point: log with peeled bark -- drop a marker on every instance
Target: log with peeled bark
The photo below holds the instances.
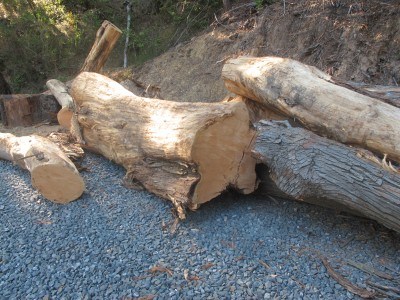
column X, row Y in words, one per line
column 106, row 37
column 317, row 170
column 308, row 95
column 52, row 172
column 67, row 114
column 185, row 152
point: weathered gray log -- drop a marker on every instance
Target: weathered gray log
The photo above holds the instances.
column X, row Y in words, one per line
column 314, row 169
column 308, row 95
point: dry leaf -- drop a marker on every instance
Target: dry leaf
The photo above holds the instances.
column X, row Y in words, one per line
column 186, row 274
column 161, row 269
column 207, row 266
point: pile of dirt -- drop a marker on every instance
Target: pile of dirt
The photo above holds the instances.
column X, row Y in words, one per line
column 352, row 40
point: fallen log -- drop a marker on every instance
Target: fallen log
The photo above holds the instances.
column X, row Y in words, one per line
column 52, row 173
column 106, row 37
column 185, row 152
column 314, row 169
column 306, row 94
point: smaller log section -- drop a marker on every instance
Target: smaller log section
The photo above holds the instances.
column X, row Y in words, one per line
column 188, row 153
column 67, row 115
column 52, row 172
column 310, row 168
column 308, row 95
column 106, row 37
column 27, row 109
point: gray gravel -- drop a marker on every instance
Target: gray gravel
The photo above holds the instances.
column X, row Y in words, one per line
column 105, row 245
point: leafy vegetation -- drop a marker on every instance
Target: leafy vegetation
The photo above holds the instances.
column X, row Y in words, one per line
column 44, row 39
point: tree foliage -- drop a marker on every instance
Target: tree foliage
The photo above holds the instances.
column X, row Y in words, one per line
column 44, row 39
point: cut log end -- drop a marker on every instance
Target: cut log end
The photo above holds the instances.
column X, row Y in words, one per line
column 221, row 152
column 58, row 183
column 64, row 117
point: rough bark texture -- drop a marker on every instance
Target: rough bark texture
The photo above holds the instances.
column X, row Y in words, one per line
column 27, row 110
column 106, row 37
column 313, row 169
column 52, row 173
column 307, row 95
column 185, row 152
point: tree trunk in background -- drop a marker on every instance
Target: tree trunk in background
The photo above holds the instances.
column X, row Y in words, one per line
column 52, row 172
column 128, row 27
column 188, row 153
column 307, row 94
column 106, row 37
column 227, row 4
column 313, row 169
column 4, row 86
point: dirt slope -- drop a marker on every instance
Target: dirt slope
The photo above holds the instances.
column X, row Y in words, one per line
column 353, row 40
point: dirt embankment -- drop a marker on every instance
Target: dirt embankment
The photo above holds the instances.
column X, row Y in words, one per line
column 353, row 40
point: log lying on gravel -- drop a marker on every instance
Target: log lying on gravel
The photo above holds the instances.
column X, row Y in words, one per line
column 52, row 173
column 185, row 152
column 307, row 95
column 313, row 169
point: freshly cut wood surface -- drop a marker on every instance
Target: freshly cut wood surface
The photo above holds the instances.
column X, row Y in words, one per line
column 106, row 37
column 188, row 153
column 306, row 94
column 52, row 172
column 66, row 116
column 313, row 169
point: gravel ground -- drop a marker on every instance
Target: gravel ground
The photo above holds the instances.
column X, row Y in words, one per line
column 116, row 243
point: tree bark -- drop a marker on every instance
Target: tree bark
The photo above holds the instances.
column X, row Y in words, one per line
column 106, row 37
column 306, row 94
column 52, row 172
column 313, row 169
column 185, row 152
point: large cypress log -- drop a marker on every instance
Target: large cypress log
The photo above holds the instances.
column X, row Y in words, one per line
column 185, row 152
column 309, row 96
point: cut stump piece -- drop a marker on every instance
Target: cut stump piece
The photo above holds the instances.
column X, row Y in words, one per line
column 307, row 94
column 188, row 153
column 52, row 172
column 27, row 109
column 313, row 169
column 106, row 37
